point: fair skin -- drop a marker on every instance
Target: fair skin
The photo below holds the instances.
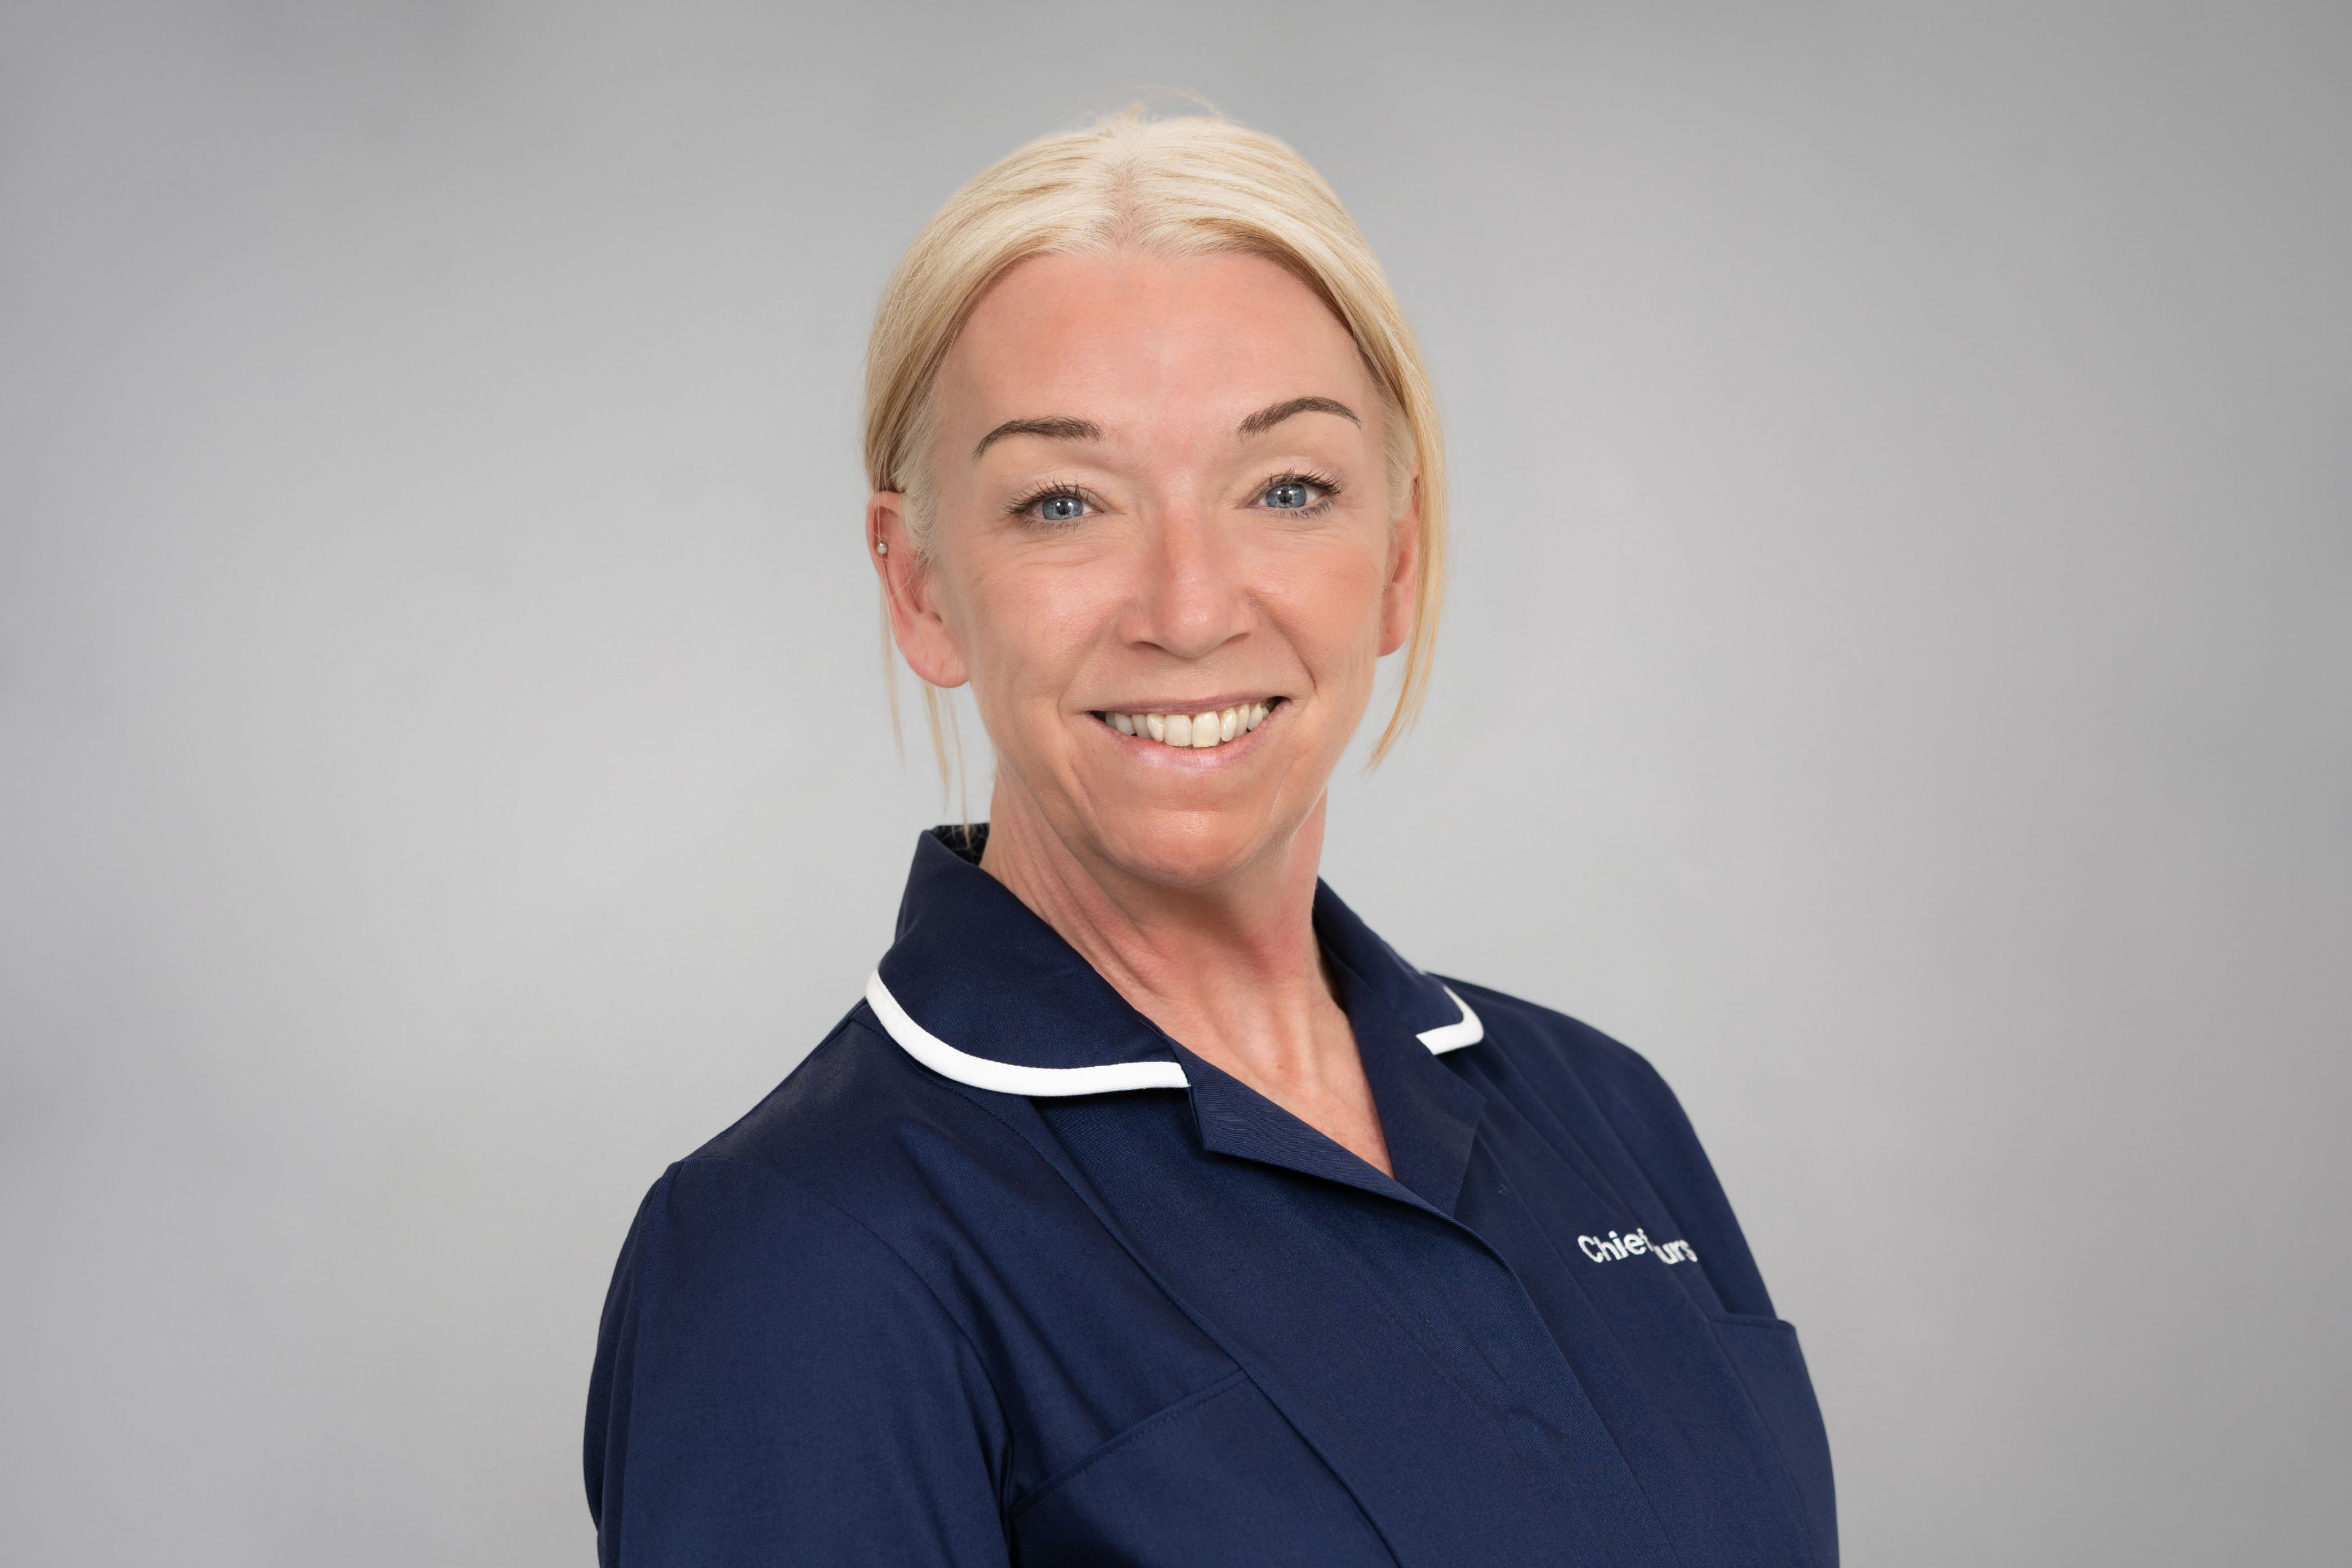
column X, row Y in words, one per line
column 1158, row 491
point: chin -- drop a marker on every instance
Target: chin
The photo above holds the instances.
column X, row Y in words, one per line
column 1183, row 848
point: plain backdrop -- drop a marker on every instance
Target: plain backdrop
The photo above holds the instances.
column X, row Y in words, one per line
column 1896, row 676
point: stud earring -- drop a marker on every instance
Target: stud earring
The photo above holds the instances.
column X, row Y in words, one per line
column 881, row 547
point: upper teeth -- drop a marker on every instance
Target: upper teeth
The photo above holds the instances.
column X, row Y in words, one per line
column 1199, row 731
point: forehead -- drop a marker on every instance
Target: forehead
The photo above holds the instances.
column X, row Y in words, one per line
column 1130, row 340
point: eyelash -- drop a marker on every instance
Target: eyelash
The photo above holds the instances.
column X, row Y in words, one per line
column 1313, row 482
column 1055, row 490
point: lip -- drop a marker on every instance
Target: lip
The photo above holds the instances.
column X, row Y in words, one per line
column 1211, row 703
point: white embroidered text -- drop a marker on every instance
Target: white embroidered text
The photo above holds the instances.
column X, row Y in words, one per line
column 1633, row 1243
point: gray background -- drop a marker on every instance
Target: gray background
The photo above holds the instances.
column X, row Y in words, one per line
column 1897, row 678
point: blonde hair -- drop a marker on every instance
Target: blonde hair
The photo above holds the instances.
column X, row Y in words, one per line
column 1186, row 186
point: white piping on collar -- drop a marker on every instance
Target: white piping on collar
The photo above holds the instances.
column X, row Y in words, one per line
column 1467, row 1031
column 1008, row 1078
column 1108, row 1077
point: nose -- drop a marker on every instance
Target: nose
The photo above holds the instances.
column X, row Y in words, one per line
column 1194, row 599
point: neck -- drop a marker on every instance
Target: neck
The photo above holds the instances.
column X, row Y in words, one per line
column 1177, row 949
column 1230, row 969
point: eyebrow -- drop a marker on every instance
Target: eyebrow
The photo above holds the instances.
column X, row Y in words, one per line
column 1265, row 419
column 1063, row 427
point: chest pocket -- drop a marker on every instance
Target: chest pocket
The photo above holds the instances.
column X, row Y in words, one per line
column 1764, row 1352
column 1218, row 1476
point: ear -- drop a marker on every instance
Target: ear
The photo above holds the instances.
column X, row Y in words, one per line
column 1400, row 595
column 910, row 593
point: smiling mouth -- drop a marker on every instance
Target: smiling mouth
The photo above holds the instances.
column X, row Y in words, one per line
column 1193, row 732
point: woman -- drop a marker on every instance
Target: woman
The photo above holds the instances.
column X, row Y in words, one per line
column 1150, row 1209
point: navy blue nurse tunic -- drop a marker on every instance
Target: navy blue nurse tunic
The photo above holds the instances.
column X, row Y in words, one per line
column 1002, row 1274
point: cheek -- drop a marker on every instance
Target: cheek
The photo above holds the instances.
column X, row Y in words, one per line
column 1330, row 598
column 1029, row 627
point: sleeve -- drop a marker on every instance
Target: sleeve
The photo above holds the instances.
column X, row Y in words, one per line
column 774, row 1384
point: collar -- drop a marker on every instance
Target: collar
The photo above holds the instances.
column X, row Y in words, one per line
column 978, row 989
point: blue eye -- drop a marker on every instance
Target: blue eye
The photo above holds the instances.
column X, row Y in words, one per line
column 1062, row 508
column 1289, row 495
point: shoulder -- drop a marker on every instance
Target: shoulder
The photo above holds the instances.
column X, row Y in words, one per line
column 1552, row 1048
column 744, row 1249
column 858, row 1121
column 777, row 1238
column 798, row 1189
column 772, row 1366
column 863, row 1152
